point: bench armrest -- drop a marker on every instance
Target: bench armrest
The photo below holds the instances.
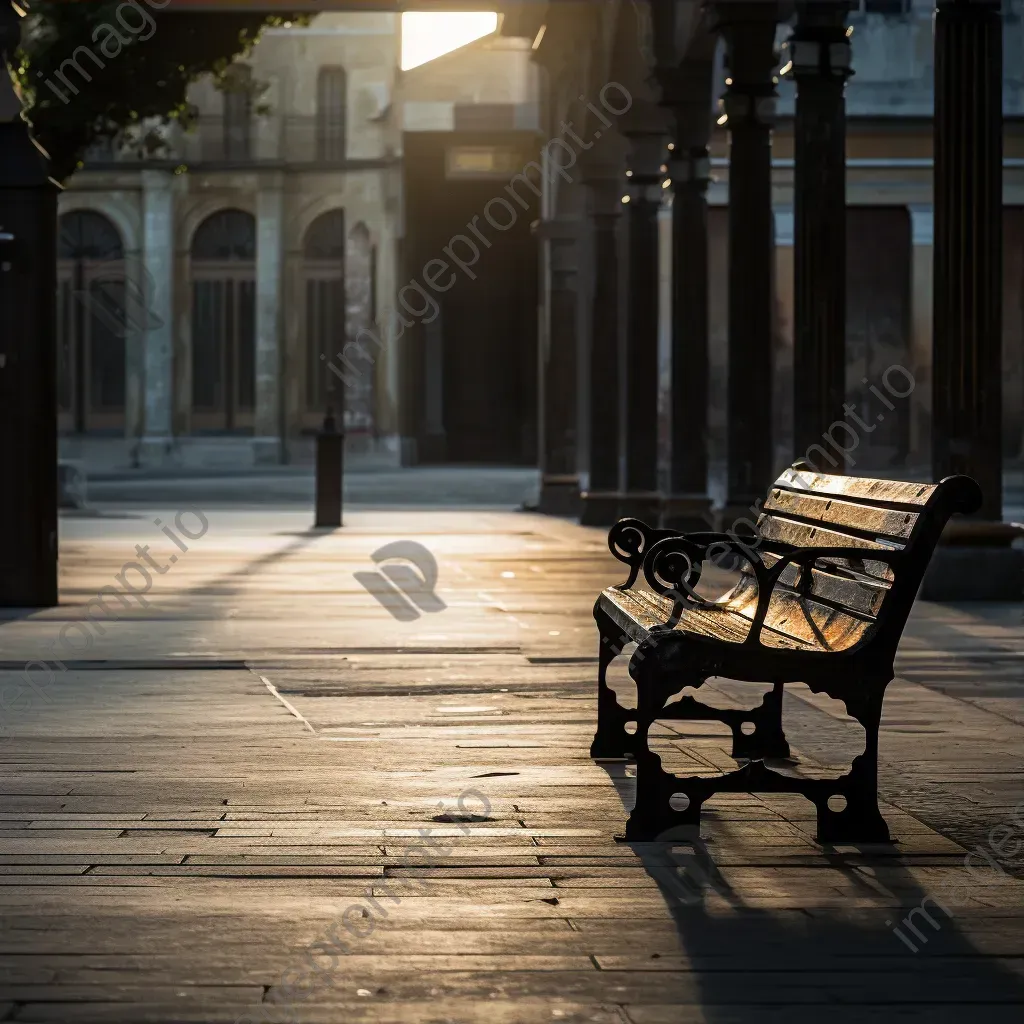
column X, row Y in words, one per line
column 629, row 540
column 673, row 566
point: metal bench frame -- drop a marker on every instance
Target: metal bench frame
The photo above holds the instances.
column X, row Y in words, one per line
column 669, row 656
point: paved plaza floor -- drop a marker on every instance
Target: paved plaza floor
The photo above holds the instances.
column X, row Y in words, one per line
column 259, row 796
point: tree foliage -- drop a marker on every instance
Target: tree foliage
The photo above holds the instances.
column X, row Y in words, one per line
column 91, row 70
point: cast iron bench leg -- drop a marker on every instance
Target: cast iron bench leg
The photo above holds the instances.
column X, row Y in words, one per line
column 653, row 812
column 860, row 821
column 767, row 739
column 611, row 741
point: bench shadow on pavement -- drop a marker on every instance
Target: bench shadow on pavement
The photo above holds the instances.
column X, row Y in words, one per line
column 832, row 963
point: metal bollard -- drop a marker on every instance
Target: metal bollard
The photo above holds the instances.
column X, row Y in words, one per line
column 330, row 455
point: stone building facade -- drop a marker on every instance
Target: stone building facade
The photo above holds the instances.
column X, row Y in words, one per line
column 206, row 290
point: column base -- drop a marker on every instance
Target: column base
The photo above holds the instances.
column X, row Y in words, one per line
column 72, row 486
column 559, row 495
column 156, row 452
column 689, row 513
column 432, row 448
column 642, row 505
column 267, row 451
column 975, row 562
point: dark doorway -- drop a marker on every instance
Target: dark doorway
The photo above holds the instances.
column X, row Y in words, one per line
column 470, row 391
column 878, row 313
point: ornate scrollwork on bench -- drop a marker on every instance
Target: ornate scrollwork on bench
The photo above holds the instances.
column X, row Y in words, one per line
column 629, row 540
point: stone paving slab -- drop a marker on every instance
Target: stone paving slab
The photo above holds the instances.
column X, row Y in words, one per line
column 189, row 811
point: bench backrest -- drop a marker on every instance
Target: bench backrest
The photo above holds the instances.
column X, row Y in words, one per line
column 844, row 601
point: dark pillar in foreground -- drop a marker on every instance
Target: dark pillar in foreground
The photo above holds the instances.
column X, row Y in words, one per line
column 330, row 455
column 819, row 50
column 749, row 31
column 686, row 91
column 560, row 485
column 967, row 380
column 640, row 495
column 28, row 388
column 601, row 497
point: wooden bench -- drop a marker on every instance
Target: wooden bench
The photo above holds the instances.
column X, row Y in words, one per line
column 825, row 587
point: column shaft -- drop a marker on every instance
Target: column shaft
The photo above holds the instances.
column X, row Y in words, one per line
column 749, row 30
column 686, row 91
column 819, row 50
column 269, row 264
column 158, row 335
column 560, row 489
column 600, row 500
column 922, row 299
column 639, row 346
column 966, row 368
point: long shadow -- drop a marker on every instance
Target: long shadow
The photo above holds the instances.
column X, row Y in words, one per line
column 806, row 963
column 164, row 605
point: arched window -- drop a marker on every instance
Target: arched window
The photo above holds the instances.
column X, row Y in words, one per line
column 91, row 323
column 324, row 276
column 331, row 113
column 237, row 89
column 227, row 235
column 224, row 322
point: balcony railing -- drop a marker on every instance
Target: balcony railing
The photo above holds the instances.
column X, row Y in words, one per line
column 217, row 140
column 291, row 139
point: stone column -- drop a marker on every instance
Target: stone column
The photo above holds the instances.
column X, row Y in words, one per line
column 560, row 485
column 157, row 443
column 601, row 498
column 782, row 390
column 819, row 54
column 639, row 345
column 968, row 124
column 976, row 560
column 921, row 220
column 687, row 93
column 749, row 30
column 267, row 442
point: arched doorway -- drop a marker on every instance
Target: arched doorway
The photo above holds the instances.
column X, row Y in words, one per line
column 224, row 322
column 90, row 324
column 323, row 273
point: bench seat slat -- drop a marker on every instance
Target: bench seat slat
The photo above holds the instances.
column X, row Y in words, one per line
column 864, row 519
column 792, row 623
column 802, row 619
column 802, row 535
column 861, row 594
column 893, row 493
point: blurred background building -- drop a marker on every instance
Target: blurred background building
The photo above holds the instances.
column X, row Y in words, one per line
column 325, row 178
column 205, row 289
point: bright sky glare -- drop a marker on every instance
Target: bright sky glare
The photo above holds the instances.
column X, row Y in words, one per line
column 429, row 35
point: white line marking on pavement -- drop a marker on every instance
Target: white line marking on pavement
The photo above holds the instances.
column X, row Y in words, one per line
column 291, row 707
column 492, row 600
